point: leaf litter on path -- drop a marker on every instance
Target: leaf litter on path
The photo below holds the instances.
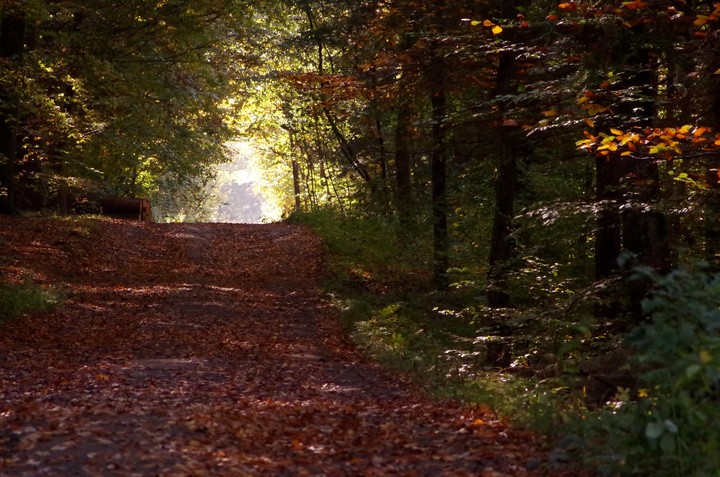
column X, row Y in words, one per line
column 208, row 350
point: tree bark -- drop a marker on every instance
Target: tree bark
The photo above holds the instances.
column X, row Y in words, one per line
column 12, row 37
column 403, row 162
column 438, row 102
column 501, row 250
column 628, row 187
column 608, row 234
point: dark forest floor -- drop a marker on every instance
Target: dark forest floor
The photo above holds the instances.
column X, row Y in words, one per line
column 208, row 350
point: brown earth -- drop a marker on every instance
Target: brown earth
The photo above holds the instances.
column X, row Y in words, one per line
column 208, row 350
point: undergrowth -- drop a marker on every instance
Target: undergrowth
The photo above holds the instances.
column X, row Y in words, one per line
column 391, row 311
column 26, row 297
column 526, row 363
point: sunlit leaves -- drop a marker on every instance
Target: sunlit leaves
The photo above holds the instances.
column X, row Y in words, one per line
column 665, row 143
column 590, row 104
column 568, row 6
column 494, row 28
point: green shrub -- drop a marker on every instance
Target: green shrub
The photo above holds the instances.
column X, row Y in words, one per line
column 673, row 427
column 367, row 250
column 439, row 339
column 16, row 299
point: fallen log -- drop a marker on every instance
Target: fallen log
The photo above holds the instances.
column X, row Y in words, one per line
column 127, row 208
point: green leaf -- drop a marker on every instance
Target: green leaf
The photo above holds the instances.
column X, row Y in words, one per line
column 671, row 426
column 654, row 430
column 667, row 443
column 692, row 370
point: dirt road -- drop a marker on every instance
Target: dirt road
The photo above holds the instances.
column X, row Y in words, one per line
column 207, row 350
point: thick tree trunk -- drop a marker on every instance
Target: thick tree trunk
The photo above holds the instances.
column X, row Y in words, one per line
column 712, row 118
column 608, row 235
column 501, row 250
column 627, row 189
column 12, row 37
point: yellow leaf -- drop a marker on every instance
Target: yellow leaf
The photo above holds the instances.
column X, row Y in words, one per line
column 629, row 139
column 700, row 20
column 475, row 22
column 596, row 109
column 497, row 29
column 705, row 356
column 616, row 132
column 550, row 113
column 610, row 146
column 590, row 122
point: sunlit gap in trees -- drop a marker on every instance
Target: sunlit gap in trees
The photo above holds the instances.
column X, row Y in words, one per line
column 241, row 195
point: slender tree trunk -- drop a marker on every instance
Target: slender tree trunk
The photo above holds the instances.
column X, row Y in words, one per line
column 347, row 150
column 403, row 168
column 438, row 101
column 295, row 174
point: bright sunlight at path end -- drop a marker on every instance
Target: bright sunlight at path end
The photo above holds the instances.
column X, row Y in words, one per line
column 240, row 190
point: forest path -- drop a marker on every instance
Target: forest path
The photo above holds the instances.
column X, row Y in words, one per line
column 207, row 350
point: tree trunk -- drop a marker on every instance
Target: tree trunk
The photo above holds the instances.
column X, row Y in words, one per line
column 608, row 234
column 632, row 186
column 403, row 164
column 12, row 37
column 296, row 174
column 439, row 177
column 501, row 250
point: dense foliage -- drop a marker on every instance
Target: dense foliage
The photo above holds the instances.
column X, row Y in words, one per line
column 115, row 99
column 488, row 175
